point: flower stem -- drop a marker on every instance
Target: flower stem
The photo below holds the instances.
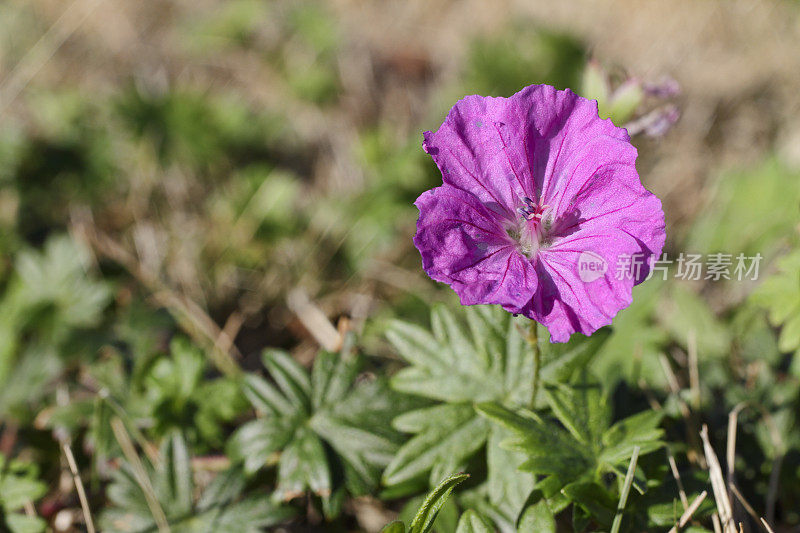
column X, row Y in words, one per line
column 533, row 340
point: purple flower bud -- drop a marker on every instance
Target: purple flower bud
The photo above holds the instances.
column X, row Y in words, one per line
column 665, row 88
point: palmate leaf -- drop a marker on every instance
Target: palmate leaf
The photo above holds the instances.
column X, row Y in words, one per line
column 481, row 357
column 768, row 192
column 572, row 454
column 170, row 391
column 221, row 506
column 304, row 416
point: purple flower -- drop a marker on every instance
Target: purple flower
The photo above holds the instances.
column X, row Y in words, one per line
column 541, row 210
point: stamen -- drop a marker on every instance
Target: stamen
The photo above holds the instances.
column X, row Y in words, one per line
column 533, row 228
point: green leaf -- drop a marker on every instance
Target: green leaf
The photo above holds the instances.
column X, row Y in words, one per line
column 572, row 464
column 472, row 522
column 290, row 376
column 549, row 450
column 582, row 408
column 221, row 506
column 332, row 377
column 19, row 523
column 446, row 433
column 57, row 276
column 481, row 357
column 789, row 339
column 224, row 488
column 624, row 101
column 640, row 430
column 265, row 398
column 560, row 362
column 185, row 369
column 423, row 521
column 768, row 192
column 176, row 475
column 454, row 367
column 521, row 421
column 684, row 311
column 507, row 487
column 595, row 86
column 537, row 517
column 632, row 350
column 48, row 307
column 257, row 442
column 18, row 486
column 780, row 296
column 303, row 464
column 594, row 498
column 415, row 344
column 319, row 426
column 394, row 527
column 250, row 515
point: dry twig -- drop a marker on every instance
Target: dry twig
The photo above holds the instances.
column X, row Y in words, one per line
column 718, row 484
column 76, row 478
column 687, row 514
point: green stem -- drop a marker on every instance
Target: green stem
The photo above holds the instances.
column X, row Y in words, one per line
column 533, row 340
column 626, row 489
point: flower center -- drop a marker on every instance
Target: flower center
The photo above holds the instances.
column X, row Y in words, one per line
column 532, row 227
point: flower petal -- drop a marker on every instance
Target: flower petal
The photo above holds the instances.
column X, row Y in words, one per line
column 602, row 156
column 463, row 244
column 574, row 301
column 613, row 202
column 558, row 126
column 476, row 150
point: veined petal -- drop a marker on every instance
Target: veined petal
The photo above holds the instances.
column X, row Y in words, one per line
column 600, row 158
column 463, row 243
column 558, row 125
column 614, row 203
column 585, row 298
column 478, row 149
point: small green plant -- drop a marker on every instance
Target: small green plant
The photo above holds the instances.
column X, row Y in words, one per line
column 163, row 496
column 46, row 310
column 489, row 361
column 584, row 448
column 325, row 430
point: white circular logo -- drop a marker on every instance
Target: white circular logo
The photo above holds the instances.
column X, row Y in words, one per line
column 591, row 266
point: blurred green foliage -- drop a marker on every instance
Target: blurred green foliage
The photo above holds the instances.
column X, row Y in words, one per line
column 502, row 65
column 138, row 493
column 48, row 311
column 19, row 486
column 219, row 202
column 750, row 212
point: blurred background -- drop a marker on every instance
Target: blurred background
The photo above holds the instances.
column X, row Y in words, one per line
column 183, row 184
